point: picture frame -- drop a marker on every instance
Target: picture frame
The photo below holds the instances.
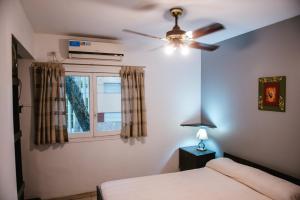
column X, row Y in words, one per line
column 272, row 93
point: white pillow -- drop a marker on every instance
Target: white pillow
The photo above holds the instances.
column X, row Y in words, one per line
column 267, row 184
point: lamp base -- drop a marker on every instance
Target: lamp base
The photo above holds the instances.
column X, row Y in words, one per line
column 201, row 149
column 201, row 146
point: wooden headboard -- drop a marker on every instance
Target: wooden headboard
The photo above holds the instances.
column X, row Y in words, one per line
column 263, row 168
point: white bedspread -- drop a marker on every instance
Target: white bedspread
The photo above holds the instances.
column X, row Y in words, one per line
column 197, row 184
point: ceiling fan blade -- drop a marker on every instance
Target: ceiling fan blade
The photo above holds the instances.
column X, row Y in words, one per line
column 142, row 34
column 207, row 30
column 207, row 47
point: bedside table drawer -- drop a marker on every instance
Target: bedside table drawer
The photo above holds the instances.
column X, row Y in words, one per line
column 188, row 160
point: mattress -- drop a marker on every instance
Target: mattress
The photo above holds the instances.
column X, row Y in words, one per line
column 203, row 183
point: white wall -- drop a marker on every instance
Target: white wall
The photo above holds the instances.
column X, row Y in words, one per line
column 12, row 21
column 172, row 97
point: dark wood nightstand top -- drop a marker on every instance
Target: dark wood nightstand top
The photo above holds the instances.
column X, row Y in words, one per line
column 193, row 150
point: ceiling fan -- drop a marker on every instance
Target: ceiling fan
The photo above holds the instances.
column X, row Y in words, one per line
column 178, row 38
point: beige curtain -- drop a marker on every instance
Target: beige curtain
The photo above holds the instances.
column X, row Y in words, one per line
column 50, row 107
column 133, row 102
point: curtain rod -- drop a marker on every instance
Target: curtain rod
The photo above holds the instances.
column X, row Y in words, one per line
column 65, row 63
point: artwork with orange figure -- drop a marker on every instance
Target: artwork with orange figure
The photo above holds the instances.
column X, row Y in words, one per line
column 270, row 95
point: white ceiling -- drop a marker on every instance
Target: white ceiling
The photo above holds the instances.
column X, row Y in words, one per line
column 107, row 18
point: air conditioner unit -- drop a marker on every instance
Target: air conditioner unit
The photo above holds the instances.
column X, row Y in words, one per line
column 95, row 50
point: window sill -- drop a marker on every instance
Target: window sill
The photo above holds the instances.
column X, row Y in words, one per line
column 94, row 138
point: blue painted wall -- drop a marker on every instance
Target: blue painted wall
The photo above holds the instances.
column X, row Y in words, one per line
column 230, row 90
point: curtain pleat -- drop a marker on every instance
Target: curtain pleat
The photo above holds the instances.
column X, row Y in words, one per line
column 50, row 106
column 133, row 102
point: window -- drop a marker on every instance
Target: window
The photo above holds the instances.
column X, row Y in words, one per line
column 93, row 102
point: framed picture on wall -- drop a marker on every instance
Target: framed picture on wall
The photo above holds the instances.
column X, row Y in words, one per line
column 271, row 93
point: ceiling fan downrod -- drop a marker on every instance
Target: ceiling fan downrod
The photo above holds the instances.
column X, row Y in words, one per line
column 176, row 12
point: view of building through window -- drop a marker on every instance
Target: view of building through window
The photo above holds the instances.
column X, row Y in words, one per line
column 108, row 104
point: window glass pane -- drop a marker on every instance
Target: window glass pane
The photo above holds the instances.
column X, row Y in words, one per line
column 112, row 87
column 78, row 103
column 108, row 104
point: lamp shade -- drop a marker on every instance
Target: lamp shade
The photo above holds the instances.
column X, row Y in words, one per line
column 202, row 134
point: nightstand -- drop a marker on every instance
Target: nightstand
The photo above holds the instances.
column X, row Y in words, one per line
column 190, row 158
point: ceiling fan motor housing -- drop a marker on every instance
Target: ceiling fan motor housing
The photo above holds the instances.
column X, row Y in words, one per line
column 176, row 35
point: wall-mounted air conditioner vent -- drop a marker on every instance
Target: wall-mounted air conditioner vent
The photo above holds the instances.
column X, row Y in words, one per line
column 95, row 50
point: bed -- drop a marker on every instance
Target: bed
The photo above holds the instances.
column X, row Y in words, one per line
column 230, row 177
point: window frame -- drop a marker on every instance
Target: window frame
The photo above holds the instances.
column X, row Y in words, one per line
column 93, row 133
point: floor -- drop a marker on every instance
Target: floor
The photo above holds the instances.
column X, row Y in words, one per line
column 83, row 196
column 87, row 198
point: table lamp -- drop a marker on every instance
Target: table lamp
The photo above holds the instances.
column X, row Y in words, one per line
column 201, row 135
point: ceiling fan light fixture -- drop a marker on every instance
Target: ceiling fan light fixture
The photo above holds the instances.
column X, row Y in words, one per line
column 169, row 49
column 189, row 34
column 185, row 50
